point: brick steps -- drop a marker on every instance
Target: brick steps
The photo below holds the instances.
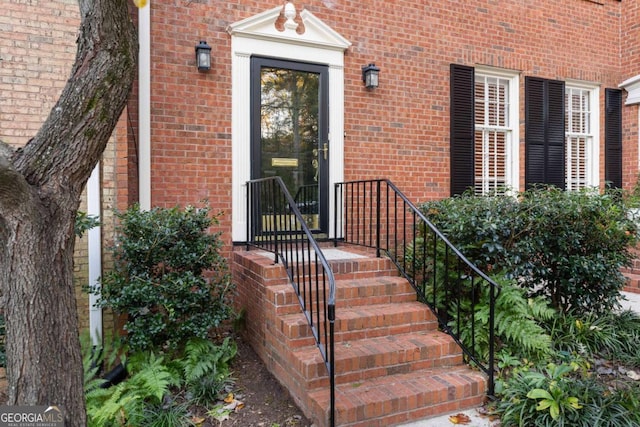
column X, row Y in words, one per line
column 402, row 398
column 633, row 280
column 362, row 322
column 392, row 364
column 361, row 360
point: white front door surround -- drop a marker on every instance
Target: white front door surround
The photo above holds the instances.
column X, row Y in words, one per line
column 259, row 36
column 632, row 86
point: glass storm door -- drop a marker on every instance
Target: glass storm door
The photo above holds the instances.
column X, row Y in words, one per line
column 289, row 132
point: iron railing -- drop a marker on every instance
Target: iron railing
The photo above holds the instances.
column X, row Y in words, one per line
column 375, row 214
column 275, row 224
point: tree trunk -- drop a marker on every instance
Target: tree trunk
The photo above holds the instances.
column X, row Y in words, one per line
column 40, row 189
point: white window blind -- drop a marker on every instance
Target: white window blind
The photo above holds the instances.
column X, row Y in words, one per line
column 492, row 135
column 579, row 138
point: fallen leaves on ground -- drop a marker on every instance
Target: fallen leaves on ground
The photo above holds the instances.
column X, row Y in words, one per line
column 459, row 419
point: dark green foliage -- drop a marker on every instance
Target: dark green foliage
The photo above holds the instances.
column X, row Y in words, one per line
column 205, row 368
column 158, row 390
column 85, row 222
column 565, row 246
column 613, row 336
column 169, row 277
column 563, row 395
column 517, row 323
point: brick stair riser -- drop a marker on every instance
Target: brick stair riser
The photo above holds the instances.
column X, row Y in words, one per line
column 348, row 294
column 416, row 318
column 632, row 283
column 402, row 401
column 342, row 269
column 357, row 368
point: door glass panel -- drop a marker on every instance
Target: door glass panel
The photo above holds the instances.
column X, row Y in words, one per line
column 289, row 135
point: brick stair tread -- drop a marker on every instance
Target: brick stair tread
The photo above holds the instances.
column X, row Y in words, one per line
column 634, row 274
column 632, row 282
column 374, row 290
column 381, row 356
column 396, row 398
column 353, row 292
column 360, row 322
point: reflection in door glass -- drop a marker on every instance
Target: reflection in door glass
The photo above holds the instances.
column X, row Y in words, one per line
column 289, row 135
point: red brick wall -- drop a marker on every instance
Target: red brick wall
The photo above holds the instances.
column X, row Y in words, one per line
column 403, row 126
column 630, row 54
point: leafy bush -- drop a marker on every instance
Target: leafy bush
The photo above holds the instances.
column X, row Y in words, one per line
column 158, row 389
column 169, row 277
column 567, row 246
column 205, row 368
column 517, row 323
column 84, row 222
column 560, row 395
column 612, row 335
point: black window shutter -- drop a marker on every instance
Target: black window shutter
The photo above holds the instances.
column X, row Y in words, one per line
column 613, row 138
column 545, row 133
column 462, row 128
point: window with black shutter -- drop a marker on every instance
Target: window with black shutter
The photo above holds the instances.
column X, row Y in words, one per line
column 462, row 128
column 545, row 132
column 613, row 138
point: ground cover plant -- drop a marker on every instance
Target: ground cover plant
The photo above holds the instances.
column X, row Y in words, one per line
column 173, row 287
column 566, row 354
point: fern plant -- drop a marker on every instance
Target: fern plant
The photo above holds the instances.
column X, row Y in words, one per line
column 517, row 322
column 126, row 403
column 205, row 368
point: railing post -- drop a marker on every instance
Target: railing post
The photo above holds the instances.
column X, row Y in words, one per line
column 331, row 313
column 335, row 215
column 249, row 215
column 378, row 219
column 275, row 223
column 492, row 313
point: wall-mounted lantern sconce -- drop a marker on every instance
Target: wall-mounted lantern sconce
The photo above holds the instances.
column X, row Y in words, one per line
column 370, row 76
column 203, row 56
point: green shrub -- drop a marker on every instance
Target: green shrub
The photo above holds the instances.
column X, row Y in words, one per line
column 205, row 368
column 517, row 323
column 612, row 335
column 561, row 395
column 567, row 246
column 126, row 403
column 169, row 277
column 158, row 390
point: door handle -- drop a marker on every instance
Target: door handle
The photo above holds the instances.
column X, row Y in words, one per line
column 324, row 149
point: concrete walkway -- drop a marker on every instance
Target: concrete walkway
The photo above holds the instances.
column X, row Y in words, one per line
column 477, row 419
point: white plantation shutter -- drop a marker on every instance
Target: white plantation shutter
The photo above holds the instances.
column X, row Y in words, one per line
column 492, row 134
column 579, row 137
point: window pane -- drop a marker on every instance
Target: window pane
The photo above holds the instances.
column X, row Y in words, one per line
column 492, row 134
column 578, row 137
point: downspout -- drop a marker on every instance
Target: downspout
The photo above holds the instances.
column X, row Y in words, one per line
column 144, row 107
column 94, row 237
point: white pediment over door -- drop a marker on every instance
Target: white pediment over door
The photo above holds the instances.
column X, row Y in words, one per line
column 260, row 36
column 316, row 32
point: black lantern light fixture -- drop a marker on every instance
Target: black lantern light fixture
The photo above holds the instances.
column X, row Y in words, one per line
column 203, row 56
column 370, row 76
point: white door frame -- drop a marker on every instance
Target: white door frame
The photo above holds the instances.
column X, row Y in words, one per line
column 318, row 44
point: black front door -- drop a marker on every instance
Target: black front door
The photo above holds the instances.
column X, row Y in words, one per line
column 289, row 132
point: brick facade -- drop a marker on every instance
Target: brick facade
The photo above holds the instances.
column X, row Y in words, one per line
column 403, row 126
column 399, row 131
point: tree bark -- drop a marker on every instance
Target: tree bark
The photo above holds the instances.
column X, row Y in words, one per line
column 40, row 189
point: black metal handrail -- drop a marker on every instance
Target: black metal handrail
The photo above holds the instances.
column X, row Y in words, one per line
column 375, row 214
column 275, row 224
